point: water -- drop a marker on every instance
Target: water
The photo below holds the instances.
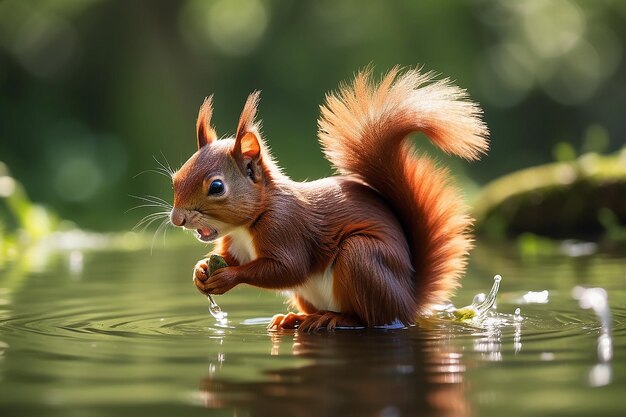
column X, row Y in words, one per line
column 216, row 262
column 216, row 310
column 115, row 332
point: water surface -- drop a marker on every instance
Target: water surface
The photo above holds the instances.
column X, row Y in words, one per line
column 103, row 332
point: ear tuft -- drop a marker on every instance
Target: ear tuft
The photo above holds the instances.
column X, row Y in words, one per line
column 247, row 141
column 246, row 120
column 204, row 132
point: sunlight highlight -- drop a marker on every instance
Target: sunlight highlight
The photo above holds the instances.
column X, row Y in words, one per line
column 596, row 299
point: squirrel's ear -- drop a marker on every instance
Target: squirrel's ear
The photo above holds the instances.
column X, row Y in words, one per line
column 247, row 143
column 250, row 146
column 205, row 133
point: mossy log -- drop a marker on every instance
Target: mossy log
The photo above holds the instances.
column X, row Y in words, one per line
column 581, row 199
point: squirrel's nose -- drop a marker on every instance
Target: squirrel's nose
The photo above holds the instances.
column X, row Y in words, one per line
column 177, row 217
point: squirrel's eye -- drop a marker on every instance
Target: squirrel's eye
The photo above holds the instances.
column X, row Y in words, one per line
column 216, row 187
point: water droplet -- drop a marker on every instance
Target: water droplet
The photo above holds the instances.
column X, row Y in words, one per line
column 216, row 311
column 600, row 375
column 605, row 348
column 490, row 299
column 479, row 298
column 534, row 297
column 517, row 336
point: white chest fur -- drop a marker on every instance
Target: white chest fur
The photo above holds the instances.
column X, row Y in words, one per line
column 318, row 290
column 242, row 245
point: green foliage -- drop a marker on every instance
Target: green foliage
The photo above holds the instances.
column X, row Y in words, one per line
column 614, row 229
column 19, row 217
column 92, row 90
column 530, row 245
column 563, row 152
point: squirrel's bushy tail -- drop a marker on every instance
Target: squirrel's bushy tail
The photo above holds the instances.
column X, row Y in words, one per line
column 363, row 130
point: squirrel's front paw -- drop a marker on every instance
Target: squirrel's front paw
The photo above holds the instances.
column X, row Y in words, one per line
column 201, row 274
column 221, row 281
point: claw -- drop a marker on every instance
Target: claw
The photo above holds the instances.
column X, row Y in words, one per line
column 308, row 323
column 200, row 270
column 287, row 321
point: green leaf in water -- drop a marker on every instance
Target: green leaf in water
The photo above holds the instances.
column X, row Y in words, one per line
column 479, row 308
column 464, row 313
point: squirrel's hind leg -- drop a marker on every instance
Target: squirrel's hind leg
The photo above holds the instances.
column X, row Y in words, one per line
column 373, row 281
column 291, row 321
column 328, row 320
column 287, row 321
column 310, row 319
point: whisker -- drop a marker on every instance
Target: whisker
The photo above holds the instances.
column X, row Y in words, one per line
column 166, row 167
column 163, row 225
column 168, row 164
column 150, row 218
column 149, row 201
column 147, row 205
column 165, row 172
column 160, row 171
column 148, row 223
column 156, row 214
column 149, row 197
column 153, row 200
column 165, row 229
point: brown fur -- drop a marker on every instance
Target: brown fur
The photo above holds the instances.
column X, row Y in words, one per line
column 204, row 132
column 391, row 232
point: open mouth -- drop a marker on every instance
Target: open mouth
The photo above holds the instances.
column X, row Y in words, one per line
column 206, row 234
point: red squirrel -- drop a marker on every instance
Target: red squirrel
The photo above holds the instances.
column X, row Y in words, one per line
column 378, row 244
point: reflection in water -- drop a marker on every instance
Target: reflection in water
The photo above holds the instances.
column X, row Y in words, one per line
column 100, row 331
column 380, row 373
column 517, row 337
column 377, row 373
column 597, row 300
column 488, row 341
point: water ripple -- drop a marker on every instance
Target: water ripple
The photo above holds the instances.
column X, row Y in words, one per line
column 87, row 323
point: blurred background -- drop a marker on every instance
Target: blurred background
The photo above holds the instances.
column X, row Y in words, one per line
column 95, row 93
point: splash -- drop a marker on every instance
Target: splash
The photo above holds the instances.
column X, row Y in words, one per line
column 481, row 305
column 216, row 310
column 216, row 262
